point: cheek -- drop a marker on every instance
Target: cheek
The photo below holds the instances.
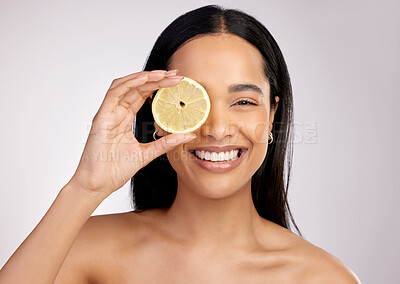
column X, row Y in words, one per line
column 256, row 127
column 174, row 157
column 260, row 131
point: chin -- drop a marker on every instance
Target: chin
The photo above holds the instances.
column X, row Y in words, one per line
column 215, row 187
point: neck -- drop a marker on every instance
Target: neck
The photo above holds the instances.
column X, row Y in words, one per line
column 214, row 222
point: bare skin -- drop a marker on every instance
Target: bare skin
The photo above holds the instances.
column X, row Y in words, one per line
column 212, row 233
column 141, row 248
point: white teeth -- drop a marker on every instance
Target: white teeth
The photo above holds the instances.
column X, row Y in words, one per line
column 202, row 154
column 235, row 154
column 217, row 156
column 226, row 156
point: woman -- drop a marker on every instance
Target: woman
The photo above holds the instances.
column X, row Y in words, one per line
column 196, row 221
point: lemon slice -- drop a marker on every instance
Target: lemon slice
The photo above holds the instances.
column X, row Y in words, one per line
column 182, row 108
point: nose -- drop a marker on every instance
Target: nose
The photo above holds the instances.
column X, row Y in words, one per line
column 218, row 126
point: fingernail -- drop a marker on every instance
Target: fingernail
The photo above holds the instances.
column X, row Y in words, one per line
column 158, row 71
column 175, row 77
column 170, row 72
column 141, row 76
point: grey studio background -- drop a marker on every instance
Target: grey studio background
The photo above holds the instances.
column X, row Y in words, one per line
column 58, row 60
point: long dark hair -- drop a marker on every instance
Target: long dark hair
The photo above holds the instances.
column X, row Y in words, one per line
column 155, row 185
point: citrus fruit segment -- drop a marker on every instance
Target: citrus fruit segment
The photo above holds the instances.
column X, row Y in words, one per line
column 182, row 108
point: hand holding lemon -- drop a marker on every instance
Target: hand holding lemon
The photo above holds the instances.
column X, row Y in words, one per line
column 112, row 155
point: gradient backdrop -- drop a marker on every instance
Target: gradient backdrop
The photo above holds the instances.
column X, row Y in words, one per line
column 57, row 61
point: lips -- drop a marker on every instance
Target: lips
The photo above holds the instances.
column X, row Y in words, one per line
column 218, row 164
column 218, row 156
column 218, row 148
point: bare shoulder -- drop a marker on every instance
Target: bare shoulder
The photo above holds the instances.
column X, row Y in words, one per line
column 97, row 247
column 324, row 267
column 315, row 265
column 106, row 231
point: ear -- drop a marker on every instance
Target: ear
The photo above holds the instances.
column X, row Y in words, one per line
column 160, row 132
column 157, row 128
column 150, row 98
column 272, row 114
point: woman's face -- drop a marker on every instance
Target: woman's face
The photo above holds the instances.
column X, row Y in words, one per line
column 240, row 117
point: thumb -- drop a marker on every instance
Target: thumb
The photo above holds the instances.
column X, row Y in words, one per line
column 167, row 143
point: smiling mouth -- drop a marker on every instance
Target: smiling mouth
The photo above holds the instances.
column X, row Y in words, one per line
column 218, row 157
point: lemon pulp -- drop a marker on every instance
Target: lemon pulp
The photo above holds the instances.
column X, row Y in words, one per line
column 182, row 108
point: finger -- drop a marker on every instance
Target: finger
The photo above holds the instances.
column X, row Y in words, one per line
column 118, row 81
column 151, row 86
column 165, row 144
column 130, row 96
column 121, row 80
column 135, row 99
column 112, row 97
column 129, row 85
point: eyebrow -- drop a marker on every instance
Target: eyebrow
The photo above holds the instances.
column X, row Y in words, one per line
column 245, row 87
column 240, row 88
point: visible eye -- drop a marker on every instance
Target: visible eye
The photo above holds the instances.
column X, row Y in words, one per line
column 244, row 102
